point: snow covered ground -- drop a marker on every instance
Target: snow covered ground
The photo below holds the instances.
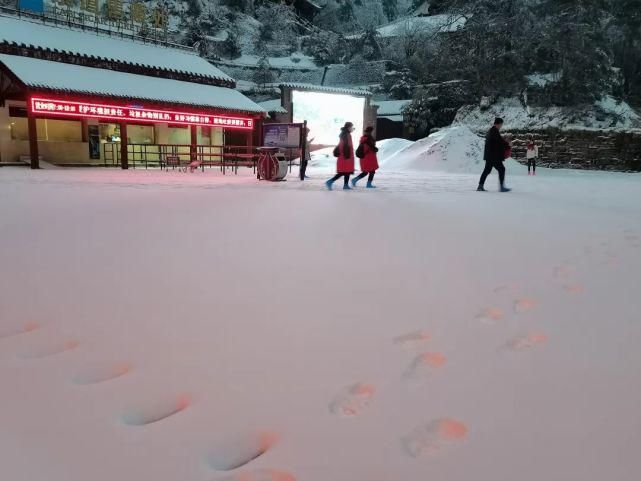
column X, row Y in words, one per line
column 196, row 327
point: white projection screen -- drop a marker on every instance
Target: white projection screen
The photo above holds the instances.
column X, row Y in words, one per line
column 327, row 113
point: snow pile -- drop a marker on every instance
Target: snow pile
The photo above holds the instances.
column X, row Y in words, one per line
column 607, row 113
column 389, row 147
column 454, row 149
column 324, row 158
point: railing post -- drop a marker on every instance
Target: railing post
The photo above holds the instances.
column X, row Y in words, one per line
column 33, row 142
column 124, row 159
column 194, row 143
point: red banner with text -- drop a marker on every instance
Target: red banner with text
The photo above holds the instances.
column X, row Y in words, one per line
column 74, row 109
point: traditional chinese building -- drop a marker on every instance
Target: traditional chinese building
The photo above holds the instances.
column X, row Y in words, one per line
column 74, row 97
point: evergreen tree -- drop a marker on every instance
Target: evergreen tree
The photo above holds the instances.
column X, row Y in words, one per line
column 390, row 8
column 231, row 45
column 346, row 12
column 263, row 74
column 369, row 46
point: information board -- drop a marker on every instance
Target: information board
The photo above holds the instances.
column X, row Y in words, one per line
column 287, row 136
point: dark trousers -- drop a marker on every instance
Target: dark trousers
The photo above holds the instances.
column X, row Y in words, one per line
column 338, row 176
column 531, row 163
column 303, row 168
column 489, row 165
column 363, row 174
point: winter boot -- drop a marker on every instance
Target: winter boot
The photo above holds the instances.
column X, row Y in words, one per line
column 353, row 181
column 329, row 184
column 347, row 187
column 370, row 186
column 505, row 189
column 480, row 189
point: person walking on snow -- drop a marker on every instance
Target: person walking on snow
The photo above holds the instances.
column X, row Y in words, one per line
column 307, row 157
column 495, row 152
column 531, row 154
column 345, row 157
column 366, row 153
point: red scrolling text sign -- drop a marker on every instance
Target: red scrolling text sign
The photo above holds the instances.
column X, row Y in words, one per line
column 67, row 108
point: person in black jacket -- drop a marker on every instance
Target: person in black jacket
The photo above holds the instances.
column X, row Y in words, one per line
column 494, row 155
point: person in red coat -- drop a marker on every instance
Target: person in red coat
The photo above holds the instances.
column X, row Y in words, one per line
column 345, row 160
column 369, row 161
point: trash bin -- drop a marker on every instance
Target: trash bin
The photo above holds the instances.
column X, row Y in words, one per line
column 272, row 164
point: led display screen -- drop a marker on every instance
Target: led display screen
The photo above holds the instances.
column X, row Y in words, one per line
column 326, row 113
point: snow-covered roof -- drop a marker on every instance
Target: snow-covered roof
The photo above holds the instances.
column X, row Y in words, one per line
column 542, row 79
column 47, row 75
column 293, row 62
column 412, row 25
column 323, row 88
column 273, row 106
column 394, row 118
column 390, row 107
column 92, row 44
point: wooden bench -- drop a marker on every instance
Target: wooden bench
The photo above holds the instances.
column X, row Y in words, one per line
column 172, row 161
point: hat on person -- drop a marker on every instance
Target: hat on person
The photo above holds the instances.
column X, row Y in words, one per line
column 498, row 120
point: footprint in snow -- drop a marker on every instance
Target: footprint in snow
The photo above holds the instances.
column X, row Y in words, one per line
column 14, row 331
column 490, row 315
column 413, row 339
column 506, row 290
column 423, row 365
column 563, row 272
column 49, row 349
column 234, row 452
column 574, row 288
column 261, row 475
column 612, row 260
column 431, row 438
column 155, row 411
column 526, row 342
column 524, row 305
column 352, row 400
column 101, row 372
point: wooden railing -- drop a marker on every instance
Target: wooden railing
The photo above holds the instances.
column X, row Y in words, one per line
column 166, row 156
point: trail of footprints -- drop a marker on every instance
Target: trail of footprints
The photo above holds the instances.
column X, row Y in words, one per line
column 230, row 454
column 434, row 436
column 428, row 438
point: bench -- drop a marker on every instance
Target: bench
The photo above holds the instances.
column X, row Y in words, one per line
column 172, row 161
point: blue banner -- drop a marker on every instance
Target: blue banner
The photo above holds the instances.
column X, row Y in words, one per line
column 37, row 6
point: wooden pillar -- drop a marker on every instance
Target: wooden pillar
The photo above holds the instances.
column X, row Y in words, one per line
column 33, row 142
column 193, row 149
column 249, row 137
column 258, row 131
column 124, row 159
column 85, row 130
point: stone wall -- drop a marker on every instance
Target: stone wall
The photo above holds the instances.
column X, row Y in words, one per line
column 582, row 149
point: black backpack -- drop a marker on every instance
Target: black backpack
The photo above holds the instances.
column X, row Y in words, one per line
column 337, row 151
column 360, row 151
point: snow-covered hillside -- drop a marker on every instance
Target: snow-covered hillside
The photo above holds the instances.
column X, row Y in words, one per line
column 607, row 113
